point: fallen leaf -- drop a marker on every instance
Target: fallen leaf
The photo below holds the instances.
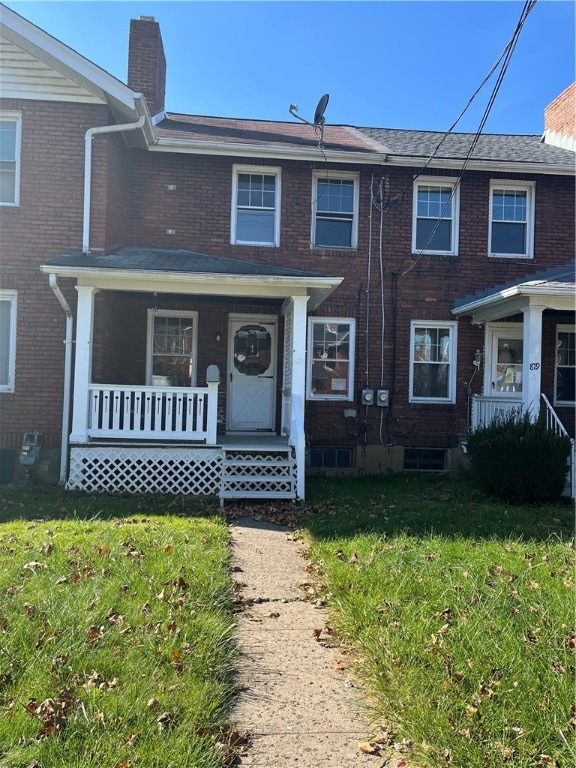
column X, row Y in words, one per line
column 368, row 747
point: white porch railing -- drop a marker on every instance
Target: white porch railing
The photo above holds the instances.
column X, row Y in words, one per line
column 153, row 413
column 486, row 409
column 553, row 423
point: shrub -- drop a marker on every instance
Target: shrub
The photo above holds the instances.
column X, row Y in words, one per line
column 518, row 460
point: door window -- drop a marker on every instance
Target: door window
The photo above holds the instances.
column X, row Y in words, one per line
column 509, row 360
column 252, row 350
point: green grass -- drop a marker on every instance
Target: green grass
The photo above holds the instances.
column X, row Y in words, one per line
column 115, row 632
column 461, row 611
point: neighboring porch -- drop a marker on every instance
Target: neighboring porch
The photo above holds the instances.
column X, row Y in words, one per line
column 186, row 381
column 529, row 357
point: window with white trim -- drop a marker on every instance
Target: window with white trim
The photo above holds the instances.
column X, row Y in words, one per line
column 255, row 206
column 330, row 358
column 172, row 341
column 565, row 365
column 335, row 210
column 10, row 133
column 435, row 216
column 511, row 220
column 7, row 340
column 432, row 362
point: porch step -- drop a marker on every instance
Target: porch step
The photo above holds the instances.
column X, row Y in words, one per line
column 258, row 473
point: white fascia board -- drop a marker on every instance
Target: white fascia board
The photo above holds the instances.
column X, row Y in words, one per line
column 212, row 283
column 493, row 166
column 63, row 59
column 512, row 300
column 256, row 150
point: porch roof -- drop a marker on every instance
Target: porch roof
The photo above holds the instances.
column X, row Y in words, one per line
column 177, row 270
column 554, row 288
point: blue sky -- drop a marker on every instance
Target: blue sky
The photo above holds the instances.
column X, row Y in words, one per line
column 387, row 63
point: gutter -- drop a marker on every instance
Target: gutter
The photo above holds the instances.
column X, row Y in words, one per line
column 230, row 149
column 90, row 133
column 67, row 377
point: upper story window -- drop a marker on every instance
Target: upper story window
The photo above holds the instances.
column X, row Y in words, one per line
column 7, row 340
column 172, row 339
column 331, row 358
column 10, row 124
column 511, row 220
column 335, row 210
column 256, row 206
column 433, row 362
column 565, row 368
column 435, row 216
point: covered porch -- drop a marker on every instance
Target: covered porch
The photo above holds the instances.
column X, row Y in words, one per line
column 188, row 373
column 528, row 360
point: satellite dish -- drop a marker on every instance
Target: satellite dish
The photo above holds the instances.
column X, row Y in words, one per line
column 319, row 120
column 320, row 109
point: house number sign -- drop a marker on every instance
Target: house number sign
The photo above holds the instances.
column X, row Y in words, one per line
column 534, row 366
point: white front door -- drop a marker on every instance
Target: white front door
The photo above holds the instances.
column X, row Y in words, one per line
column 252, row 375
column 505, row 361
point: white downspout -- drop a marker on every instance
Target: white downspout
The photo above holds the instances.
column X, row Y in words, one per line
column 90, row 133
column 68, row 341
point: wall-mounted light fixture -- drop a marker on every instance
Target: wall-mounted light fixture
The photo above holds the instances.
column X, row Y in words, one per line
column 218, row 336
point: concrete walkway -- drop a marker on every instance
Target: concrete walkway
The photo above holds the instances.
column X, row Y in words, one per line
column 297, row 701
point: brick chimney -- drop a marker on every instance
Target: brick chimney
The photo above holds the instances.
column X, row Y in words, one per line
column 560, row 120
column 147, row 63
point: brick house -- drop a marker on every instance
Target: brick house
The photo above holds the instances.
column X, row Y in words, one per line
column 242, row 302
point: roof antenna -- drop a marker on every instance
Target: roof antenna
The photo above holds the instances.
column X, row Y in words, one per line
column 319, row 119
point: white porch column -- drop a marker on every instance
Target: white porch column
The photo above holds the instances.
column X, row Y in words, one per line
column 83, row 362
column 297, row 434
column 532, row 366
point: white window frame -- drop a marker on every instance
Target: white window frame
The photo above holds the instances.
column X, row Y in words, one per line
column 15, row 117
column 514, row 186
column 256, row 170
column 561, row 329
column 347, row 395
column 453, row 346
column 345, row 176
column 152, row 313
column 437, row 181
column 12, row 298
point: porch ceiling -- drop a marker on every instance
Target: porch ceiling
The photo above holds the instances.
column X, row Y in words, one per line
column 553, row 289
column 171, row 270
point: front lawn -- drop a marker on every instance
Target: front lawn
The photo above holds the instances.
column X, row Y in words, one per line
column 115, row 633
column 461, row 612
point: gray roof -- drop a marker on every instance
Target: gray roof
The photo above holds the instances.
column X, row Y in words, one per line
column 490, row 147
column 147, row 258
column 554, row 277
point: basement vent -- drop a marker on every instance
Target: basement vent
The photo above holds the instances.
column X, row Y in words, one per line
column 331, row 458
column 425, row 459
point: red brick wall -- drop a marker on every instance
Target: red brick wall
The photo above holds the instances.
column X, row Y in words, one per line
column 199, row 212
column 47, row 221
column 560, row 115
column 132, row 205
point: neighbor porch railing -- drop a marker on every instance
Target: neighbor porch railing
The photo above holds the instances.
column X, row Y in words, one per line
column 553, row 423
column 486, row 409
column 153, row 413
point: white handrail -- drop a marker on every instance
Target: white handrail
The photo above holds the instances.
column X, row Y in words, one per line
column 552, row 420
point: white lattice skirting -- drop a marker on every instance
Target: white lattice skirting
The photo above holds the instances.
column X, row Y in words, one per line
column 106, row 469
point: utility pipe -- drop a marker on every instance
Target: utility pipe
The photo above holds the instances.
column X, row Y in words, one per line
column 68, row 341
column 89, row 135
